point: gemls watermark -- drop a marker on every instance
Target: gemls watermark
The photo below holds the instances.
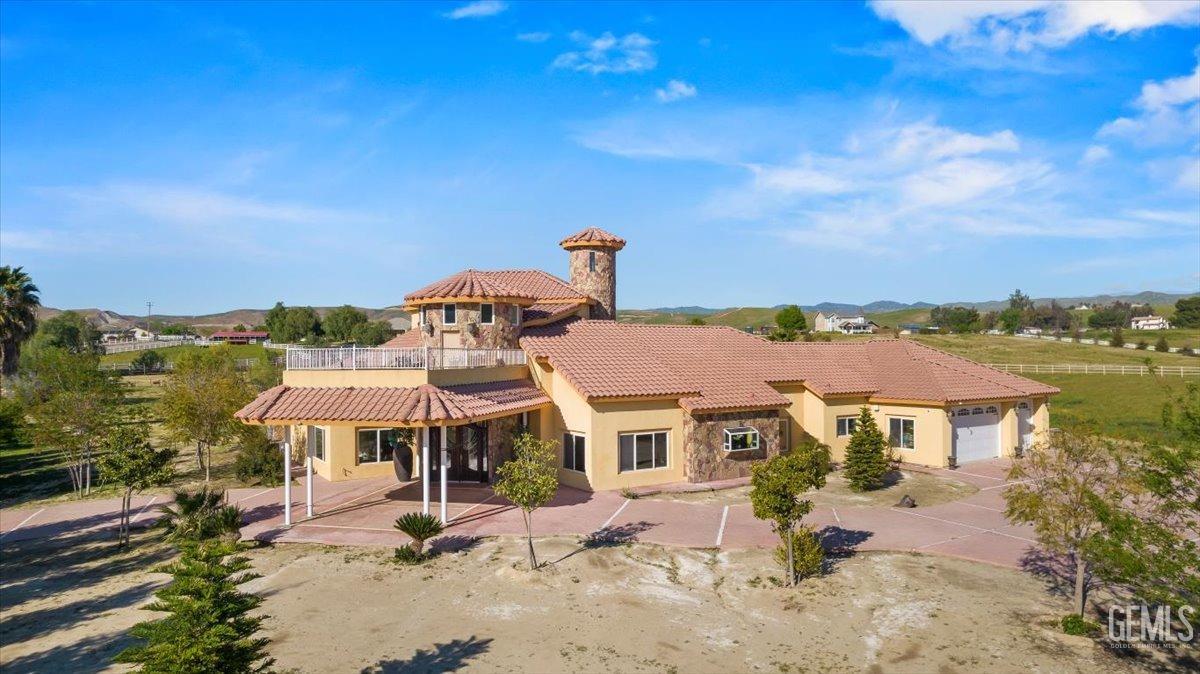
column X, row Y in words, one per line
column 1159, row 626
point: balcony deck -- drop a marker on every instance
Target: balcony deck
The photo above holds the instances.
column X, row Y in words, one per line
column 409, row 358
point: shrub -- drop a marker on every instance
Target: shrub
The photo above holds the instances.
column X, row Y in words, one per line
column 628, row 493
column 199, row 516
column 1162, row 346
column 807, row 554
column 148, row 361
column 258, row 459
column 12, row 421
column 1077, row 335
column 420, row 527
column 1076, row 625
column 1142, row 345
column 1117, row 338
column 407, row 556
column 1187, row 351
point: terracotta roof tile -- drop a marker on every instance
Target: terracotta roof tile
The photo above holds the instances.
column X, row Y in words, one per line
column 398, row 405
column 548, row 312
column 593, row 236
column 403, row 340
column 715, row 368
column 471, row 284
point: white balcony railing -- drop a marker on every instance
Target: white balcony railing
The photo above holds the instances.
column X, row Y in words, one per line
column 413, row 358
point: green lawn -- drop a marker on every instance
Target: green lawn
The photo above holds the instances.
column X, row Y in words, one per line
column 173, row 352
column 1123, row 406
column 1004, row 349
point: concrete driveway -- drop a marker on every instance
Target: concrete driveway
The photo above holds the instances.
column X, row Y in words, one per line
column 361, row 513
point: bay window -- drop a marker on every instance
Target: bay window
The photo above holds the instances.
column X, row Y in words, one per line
column 741, row 439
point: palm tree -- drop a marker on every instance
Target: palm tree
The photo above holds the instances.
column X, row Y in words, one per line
column 19, row 303
column 201, row 515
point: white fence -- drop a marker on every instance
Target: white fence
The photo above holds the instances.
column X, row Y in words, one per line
column 1140, row 334
column 126, row 347
column 1088, row 368
column 167, row 366
column 412, row 358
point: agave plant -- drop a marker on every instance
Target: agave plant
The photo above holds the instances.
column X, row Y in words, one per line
column 420, row 527
column 201, row 515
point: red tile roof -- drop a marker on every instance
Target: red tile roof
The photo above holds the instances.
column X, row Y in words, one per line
column 225, row 334
column 716, row 368
column 466, row 285
column 404, row 339
column 393, row 405
column 593, row 236
column 548, row 312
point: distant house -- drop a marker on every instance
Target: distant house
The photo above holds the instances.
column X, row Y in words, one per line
column 242, row 337
column 1149, row 323
column 142, row 335
column 847, row 325
column 1082, row 307
column 111, row 333
column 1031, row 331
column 910, row 328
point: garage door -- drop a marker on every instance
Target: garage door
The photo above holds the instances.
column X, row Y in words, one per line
column 976, row 433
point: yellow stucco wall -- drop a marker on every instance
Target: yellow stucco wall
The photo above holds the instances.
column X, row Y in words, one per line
column 611, row 419
column 341, row 454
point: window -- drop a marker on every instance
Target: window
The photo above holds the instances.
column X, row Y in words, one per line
column 901, row 431
column 977, row 410
column 516, row 315
column 846, row 426
column 991, row 410
column 449, row 314
column 487, row 314
column 573, row 451
column 316, row 442
column 376, row 445
column 642, row 451
column 591, row 260
column 740, row 439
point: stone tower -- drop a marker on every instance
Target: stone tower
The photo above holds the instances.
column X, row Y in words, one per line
column 594, row 268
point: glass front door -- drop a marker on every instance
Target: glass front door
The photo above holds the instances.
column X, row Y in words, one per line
column 465, row 455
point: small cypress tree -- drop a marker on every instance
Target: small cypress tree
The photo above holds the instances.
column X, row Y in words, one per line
column 867, row 455
column 208, row 627
column 1162, row 346
column 1117, row 339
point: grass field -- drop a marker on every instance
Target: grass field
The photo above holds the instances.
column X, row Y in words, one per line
column 1004, row 349
column 1120, row 406
column 173, row 352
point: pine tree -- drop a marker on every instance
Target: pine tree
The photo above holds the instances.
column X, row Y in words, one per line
column 208, row 627
column 867, row 455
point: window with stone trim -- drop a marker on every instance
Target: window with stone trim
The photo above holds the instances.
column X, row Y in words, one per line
column 574, row 447
column 449, row 314
column 642, row 451
column 591, row 260
column 741, row 439
column 487, row 313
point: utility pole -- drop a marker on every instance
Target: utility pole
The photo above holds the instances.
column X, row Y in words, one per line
column 149, row 306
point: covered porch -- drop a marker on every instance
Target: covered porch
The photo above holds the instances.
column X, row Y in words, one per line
column 417, row 439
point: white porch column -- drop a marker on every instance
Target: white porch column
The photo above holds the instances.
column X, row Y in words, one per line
column 308, row 486
column 444, row 462
column 425, row 470
column 287, row 483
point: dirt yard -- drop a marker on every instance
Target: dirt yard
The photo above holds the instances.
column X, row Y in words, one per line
column 924, row 488
column 67, row 606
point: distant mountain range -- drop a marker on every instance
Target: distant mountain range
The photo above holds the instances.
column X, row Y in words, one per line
column 102, row 318
column 883, row 306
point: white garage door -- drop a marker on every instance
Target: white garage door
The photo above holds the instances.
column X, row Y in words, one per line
column 976, row 433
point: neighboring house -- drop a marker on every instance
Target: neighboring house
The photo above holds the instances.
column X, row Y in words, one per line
column 142, row 335
column 110, row 333
column 1149, row 323
column 1031, row 331
column 240, row 337
column 628, row 405
column 847, row 325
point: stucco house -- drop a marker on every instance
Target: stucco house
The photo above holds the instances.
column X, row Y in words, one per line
column 1149, row 323
column 630, row 405
column 847, row 325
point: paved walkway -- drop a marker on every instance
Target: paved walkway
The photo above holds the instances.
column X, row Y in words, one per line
column 361, row 512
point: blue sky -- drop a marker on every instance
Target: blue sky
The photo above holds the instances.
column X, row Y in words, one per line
column 213, row 156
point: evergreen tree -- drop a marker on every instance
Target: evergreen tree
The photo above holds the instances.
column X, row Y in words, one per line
column 1162, row 345
column 792, row 318
column 867, row 455
column 208, row 627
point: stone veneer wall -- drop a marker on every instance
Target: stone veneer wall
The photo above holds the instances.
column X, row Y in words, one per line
column 601, row 284
column 499, row 440
column 704, row 441
column 501, row 334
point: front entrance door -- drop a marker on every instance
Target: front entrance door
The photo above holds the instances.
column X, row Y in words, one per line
column 464, row 456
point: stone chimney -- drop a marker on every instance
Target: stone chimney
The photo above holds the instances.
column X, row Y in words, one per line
column 593, row 264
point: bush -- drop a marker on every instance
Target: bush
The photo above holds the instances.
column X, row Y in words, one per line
column 1142, row 345
column 148, row 361
column 408, row 556
column 420, row 527
column 1077, row 335
column 258, row 459
column 12, row 421
column 1162, row 346
column 1187, row 351
column 200, row 516
column 807, row 554
column 1117, row 338
column 1076, row 625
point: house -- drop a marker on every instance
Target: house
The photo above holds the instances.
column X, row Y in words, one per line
column 1149, row 323
column 629, row 405
column 1030, row 330
column 142, row 335
column 240, row 336
column 847, row 325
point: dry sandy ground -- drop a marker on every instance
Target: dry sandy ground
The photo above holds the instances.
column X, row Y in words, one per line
column 629, row 608
column 925, row 488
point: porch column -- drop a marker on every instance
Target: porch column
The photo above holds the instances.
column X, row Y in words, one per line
column 287, row 483
column 425, row 470
column 308, row 486
column 444, row 463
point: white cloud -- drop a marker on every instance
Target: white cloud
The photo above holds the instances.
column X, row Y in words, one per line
column 674, row 91
column 631, row 53
column 536, row 36
column 1023, row 25
column 1094, row 154
column 477, row 10
column 938, row 142
column 1168, row 112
